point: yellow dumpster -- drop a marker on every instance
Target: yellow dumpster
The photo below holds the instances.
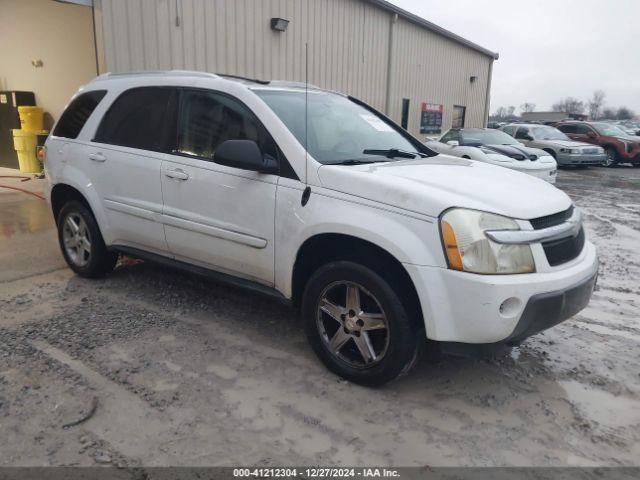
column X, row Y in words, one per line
column 31, row 118
column 25, row 143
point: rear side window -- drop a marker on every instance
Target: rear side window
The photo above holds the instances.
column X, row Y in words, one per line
column 77, row 114
column 567, row 128
column 450, row 136
column 139, row 118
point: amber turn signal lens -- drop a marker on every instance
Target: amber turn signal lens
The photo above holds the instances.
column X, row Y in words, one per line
column 451, row 246
column 41, row 153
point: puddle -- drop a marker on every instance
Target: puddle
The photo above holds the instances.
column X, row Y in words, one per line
column 601, row 406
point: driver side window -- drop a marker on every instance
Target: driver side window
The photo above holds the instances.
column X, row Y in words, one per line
column 208, row 118
column 523, row 134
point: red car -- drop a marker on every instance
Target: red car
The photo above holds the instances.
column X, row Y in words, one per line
column 619, row 146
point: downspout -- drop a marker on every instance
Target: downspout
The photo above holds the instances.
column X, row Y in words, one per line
column 95, row 37
column 487, row 100
column 387, row 106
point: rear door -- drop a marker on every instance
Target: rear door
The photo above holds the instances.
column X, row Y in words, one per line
column 219, row 216
column 124, row 161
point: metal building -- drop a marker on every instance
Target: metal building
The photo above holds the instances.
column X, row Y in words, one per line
column 416, row 72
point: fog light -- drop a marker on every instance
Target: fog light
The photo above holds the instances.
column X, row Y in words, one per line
column 510, row 307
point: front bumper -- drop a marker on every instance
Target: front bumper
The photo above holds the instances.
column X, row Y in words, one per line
column 580, row 159
column 479, row 309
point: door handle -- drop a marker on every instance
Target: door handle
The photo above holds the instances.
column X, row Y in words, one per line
column 178, row 174
column 97, row 157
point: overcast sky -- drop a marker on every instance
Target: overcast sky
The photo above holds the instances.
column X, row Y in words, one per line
column 549, row 49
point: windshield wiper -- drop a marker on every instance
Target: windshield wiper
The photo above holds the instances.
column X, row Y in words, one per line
column 356, row 162
column 394, row 153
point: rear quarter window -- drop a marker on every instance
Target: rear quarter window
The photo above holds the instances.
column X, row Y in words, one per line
column 77, row 113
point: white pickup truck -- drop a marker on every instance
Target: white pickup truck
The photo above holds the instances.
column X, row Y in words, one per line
column 318, row 199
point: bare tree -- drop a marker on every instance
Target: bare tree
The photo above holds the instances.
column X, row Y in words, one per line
column 595, row 104
column 624, row 113
column 527, row 107
column 608, row 114
column 500, row 113
column 511, row 110
column 569, row 105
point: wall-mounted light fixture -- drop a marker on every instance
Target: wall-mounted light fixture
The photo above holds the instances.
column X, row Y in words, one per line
column 473, row 78
column 279, row 24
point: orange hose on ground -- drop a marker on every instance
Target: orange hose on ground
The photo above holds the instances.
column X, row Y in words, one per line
column 41, row 197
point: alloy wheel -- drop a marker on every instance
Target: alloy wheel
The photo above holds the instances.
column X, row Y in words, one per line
column 352, row 324
column 610, row 158
column 77, row 240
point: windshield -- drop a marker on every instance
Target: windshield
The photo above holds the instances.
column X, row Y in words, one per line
column 339, row 129
column 548, row 133
column 609, row 130
column 486, row 137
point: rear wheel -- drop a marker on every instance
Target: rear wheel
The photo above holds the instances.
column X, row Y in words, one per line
column 611, row 158
column 357, row 324
column 81, row 242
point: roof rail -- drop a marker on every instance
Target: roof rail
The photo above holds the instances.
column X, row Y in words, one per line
column 176, row 73
column 240, row 77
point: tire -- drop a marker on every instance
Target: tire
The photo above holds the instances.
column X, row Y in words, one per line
column 612, row 157
column 82, row 246
column 394, row 340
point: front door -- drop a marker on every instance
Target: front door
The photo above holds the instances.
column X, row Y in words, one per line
column 218, row 216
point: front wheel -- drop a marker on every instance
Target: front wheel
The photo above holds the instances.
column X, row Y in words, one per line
column 357, row 324
column 81, row 242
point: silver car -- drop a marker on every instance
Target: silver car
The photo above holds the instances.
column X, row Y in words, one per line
column 553, row 141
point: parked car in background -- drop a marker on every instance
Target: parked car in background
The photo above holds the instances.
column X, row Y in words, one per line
column 619, row 146
column 557, row 144
column 380, row 242
column 498, row 148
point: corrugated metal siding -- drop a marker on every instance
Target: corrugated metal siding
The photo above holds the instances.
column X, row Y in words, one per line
column 348, row 48
column 430, row 68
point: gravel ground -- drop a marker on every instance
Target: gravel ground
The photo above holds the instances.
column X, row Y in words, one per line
column 154, row 367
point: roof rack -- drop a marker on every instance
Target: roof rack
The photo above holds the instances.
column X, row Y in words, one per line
column 176, row 73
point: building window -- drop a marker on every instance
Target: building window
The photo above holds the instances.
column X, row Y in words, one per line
column 458, row 116
column 405, row 113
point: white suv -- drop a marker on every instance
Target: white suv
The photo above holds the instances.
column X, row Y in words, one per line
column 318, row 199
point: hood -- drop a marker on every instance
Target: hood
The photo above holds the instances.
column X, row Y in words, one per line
column 518, row 152
column 431, row 185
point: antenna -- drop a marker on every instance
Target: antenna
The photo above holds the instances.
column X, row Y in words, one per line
column 306, row 111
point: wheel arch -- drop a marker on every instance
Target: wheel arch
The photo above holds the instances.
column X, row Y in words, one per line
column 63, row 192
column 323, row 248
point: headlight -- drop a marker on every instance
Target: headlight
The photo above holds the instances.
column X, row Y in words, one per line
column 628, row 146
column 468, row 249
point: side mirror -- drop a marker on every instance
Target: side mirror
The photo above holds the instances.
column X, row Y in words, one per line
column 453, row 143
column 591, row 134
column 245, row 155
